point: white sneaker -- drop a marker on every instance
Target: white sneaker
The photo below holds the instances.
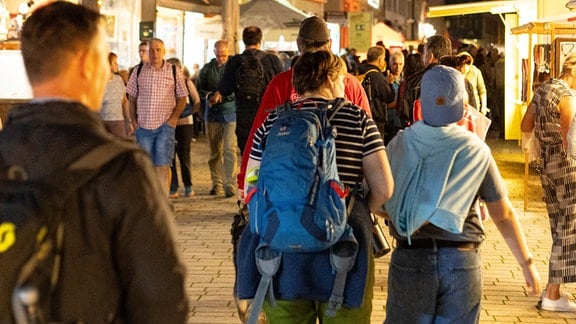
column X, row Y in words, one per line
column 539, row 302
column 562, row 304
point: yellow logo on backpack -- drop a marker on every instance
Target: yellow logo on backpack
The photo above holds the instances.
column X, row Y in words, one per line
column 7, row 236
column 362, row 76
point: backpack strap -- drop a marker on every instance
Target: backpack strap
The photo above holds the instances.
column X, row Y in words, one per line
column 68, row 179
column 342, row 258
column 268, row 262
column 139, row 69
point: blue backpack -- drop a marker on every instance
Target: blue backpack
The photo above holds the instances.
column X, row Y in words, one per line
column 299, row 203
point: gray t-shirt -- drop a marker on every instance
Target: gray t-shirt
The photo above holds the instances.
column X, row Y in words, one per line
column 491, row 189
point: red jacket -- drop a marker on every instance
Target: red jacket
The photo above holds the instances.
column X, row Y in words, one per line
column 279, row 91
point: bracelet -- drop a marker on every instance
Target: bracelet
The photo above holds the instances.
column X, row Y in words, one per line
column 528, row 262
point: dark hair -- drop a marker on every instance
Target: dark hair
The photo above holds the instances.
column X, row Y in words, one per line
column 439, row 46
column 252, row 35
column 307, row 45
column 111, row 55
column 52, row 34
column 312, row 69
column 413, row 64
column 374, row 53
column 455, row 61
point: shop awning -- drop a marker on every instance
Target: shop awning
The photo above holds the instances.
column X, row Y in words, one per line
column 207, row 7
column 494, row 7
column 271, row 14
column 564, row 24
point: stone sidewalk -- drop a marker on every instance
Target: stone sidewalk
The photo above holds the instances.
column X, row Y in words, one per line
column 203, row 225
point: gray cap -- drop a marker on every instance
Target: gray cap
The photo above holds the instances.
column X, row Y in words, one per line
column 443, row 96
column 314, row 28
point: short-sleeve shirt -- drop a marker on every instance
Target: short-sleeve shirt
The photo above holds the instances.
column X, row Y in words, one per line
column 492, row 189
column 357, row 137
column 156, row 92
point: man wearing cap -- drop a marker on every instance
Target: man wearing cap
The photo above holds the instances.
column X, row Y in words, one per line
column 313, row 35
column 440, row 171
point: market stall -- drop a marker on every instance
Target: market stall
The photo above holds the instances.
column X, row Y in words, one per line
column 556, row 38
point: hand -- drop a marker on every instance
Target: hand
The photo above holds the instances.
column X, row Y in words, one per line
column 215, row 98
column 532, row 278
column 129, row 128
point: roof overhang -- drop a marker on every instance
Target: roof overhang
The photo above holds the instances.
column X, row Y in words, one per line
column 207, row 7
column 493, row 7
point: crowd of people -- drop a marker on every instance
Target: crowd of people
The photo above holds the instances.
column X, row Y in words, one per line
column 401, row 136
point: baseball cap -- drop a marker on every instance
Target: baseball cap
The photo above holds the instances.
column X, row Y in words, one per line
column 314, row 28
column 443, row 96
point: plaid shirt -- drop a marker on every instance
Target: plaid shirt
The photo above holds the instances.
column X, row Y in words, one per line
column 156, row 94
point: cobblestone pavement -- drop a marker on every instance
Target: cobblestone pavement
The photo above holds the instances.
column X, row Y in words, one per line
column 203, row 225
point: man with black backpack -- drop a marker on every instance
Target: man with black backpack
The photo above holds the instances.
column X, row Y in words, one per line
column 85, row 233
column 247, row 75
column 379, row 92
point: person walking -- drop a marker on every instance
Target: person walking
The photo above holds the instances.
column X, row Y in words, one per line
column 394, row 78
column 549, row 115
column 304, row 281
column 247, row 75
column 120, row 262
column 435, row 269
column 473, row 75
column 379, row 92
column 313, row 35
column 183, row 135
column 114, row 111
column 220, row 117
column 157, row 94
column 436, row 46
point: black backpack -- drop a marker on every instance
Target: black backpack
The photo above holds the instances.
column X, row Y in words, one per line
column 249, row 76
column 32, row 232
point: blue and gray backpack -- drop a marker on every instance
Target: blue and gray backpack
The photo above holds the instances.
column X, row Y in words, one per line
column 299, row 204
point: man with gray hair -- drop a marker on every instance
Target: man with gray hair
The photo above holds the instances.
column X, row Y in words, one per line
column 157, row 94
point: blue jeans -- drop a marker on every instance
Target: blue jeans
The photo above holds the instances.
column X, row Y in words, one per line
column 440, row 285
column 159, row 143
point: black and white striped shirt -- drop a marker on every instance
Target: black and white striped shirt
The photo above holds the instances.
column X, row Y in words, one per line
column 357, row 136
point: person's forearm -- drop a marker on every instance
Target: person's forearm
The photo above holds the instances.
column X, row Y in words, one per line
column 178, row 109
column 509, row 227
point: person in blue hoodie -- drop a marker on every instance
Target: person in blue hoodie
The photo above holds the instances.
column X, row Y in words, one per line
column 441, row 170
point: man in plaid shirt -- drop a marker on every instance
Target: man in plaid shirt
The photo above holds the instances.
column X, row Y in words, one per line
column 157, row 96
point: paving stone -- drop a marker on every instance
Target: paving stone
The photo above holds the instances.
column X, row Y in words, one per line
column 203, row 235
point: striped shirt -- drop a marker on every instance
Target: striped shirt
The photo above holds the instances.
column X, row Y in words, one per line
column 154, row 90
column 357, row 137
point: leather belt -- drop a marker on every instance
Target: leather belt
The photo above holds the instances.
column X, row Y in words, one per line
column 431, row 243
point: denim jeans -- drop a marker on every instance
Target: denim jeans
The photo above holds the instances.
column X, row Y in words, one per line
column 440, row 285
column 223, row 160
column 159, row 143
